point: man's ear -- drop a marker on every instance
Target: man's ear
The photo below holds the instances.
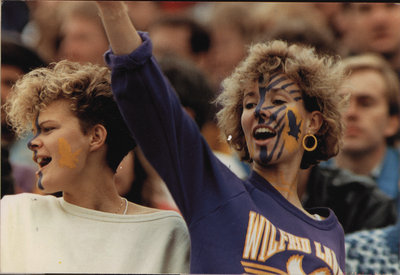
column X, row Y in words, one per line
column 393, row 126
column 98, row 135
column 315, row 122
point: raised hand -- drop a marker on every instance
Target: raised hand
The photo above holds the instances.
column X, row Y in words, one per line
column 121, row 33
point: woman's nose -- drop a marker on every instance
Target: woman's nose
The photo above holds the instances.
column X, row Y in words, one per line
column 34, row 143
column 261, row 112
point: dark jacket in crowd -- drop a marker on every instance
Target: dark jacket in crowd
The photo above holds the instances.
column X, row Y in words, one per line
column 356, row 200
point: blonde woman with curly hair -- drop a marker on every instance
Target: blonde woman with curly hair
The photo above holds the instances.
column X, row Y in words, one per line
column 79, row 140
column 280, row 111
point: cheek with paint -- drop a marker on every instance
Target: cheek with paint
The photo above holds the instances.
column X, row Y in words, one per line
column 67, row 157
column 291, row 132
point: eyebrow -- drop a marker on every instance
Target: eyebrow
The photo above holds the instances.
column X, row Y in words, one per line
column 249, row 93
column 46, row 121
column 291, row 92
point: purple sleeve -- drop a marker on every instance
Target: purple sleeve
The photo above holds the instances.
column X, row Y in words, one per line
column 169, row 138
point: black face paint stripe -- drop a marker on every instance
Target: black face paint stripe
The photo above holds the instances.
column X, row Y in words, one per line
column 275, row 114
column 279, row 122
column 273, row 76
column 276, row 82
column 40, row 181
column 287, row 85
column 276, row 143
column 262, row 91
column 281, row 150
column 264, row 156
column 38, row 132
column 30, row 146
column 294, row 91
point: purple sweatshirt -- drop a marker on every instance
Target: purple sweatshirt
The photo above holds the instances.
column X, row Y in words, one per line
column 235, row 226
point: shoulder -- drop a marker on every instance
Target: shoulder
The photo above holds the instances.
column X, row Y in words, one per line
column 26, row 202
column 26, row 197
column 167, row 216
column 168, row 219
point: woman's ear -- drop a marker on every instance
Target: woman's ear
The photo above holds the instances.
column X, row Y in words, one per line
column 315, row 122
column 98, row 135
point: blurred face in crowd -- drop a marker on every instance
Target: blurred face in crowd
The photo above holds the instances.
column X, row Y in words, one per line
column 9, row 75
column 375, row 26
column 83, row 40
column 227, row 50
column 167, row 40
column 367, row 119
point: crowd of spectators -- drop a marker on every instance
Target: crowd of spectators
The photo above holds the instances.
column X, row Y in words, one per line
column 198, row 45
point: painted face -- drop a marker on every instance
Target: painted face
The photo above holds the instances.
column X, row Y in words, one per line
column 273, row 119
column 59, row 148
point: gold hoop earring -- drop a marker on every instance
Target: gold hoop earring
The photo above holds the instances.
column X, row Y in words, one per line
column 312, row 148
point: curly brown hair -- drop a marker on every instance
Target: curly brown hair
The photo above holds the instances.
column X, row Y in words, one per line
column 318, row 76
column 87, row 88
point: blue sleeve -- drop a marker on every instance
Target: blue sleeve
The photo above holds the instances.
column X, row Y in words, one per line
column 169, row 138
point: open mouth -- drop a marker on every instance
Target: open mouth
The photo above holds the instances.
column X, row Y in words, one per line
column 263, row 133
column 43, row 161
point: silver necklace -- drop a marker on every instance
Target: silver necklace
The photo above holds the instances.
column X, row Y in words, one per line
column 126, row 206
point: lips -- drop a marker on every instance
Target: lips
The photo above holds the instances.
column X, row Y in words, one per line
column 42, row 161
column 352, row 130
column 263, row 133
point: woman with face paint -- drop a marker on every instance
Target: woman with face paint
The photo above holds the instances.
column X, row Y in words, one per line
column 280, row 111
column 79, row 140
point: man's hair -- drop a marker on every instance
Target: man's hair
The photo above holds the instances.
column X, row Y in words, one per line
column 318, row 76
column 378, row 64
column 88, row 90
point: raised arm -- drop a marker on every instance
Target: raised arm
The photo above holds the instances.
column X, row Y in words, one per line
column 169, row 138
column 121, row 33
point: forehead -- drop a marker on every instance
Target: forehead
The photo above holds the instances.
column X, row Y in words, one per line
column 275, row 82
column 366, row 82
column 59, row 109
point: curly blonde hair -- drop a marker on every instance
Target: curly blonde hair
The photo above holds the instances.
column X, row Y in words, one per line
column 318, row 76
column 87, row 88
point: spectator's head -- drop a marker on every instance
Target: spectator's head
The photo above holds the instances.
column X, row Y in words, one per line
column 82, row 36
column 373, row 27
column 305, row 27
column 180, row 35
column 16, row 60
column 192, row 88
column 372, row 118
column 231, row 31
column 67, row 91
column 317, row 78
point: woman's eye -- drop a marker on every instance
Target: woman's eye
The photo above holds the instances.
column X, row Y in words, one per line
column 250, row 105
column 47, row 129
column 278, row 102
